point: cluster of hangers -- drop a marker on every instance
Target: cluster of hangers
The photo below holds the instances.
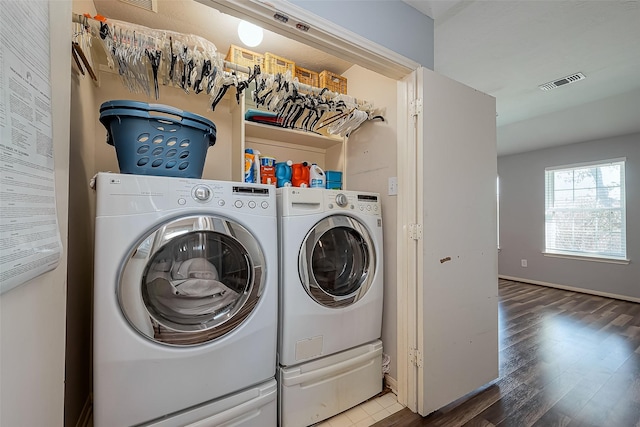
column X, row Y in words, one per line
column 81, row 51
column 309, row 111
column 144, row 57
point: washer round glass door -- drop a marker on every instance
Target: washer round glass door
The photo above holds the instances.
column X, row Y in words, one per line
column 337, row 261
column 192, row 280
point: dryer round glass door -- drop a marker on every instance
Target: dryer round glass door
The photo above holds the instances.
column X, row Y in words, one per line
column 337, row 261
column 191, row 280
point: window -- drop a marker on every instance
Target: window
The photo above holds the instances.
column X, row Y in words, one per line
column 585, row 210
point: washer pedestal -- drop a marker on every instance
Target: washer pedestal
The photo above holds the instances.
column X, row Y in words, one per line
column 254, row 407
column 317, row 390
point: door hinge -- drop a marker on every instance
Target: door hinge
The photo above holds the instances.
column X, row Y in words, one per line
column 415, row 231
column 415, row 107
column 415, row 357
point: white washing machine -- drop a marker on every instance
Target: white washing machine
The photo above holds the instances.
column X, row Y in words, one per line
column 331, row 296
column 185, row 302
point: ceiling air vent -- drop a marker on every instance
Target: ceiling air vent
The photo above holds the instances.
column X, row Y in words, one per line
column 563, row 81
column 151, row 5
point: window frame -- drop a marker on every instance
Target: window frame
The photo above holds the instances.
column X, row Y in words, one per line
column 584, row 255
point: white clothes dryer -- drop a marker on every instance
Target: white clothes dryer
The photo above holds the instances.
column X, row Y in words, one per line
column 185, row 302
column 331, row 272
column 331, row 296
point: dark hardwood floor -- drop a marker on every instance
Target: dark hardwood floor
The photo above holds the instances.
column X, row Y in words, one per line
column 566, row 359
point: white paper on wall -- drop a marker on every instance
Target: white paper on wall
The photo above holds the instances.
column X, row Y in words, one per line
column 30, row 242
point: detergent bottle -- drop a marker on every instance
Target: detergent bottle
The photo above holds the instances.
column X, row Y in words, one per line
column 268, row 170
column 256, row 166
column 300, row 174
column 316, row 176
column 249, row 166
column 283, row 174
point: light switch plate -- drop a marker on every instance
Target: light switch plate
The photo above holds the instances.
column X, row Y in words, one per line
column 393, row 186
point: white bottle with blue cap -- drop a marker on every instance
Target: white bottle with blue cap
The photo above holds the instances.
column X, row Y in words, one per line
column 316, row 177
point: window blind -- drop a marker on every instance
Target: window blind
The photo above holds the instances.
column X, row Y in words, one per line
column 585, row 210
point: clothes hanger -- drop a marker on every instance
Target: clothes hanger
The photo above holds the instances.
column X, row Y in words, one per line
column 154, row 58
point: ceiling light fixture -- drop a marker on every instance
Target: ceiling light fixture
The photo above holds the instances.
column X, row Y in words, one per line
column 250, row 34
column 563, row 81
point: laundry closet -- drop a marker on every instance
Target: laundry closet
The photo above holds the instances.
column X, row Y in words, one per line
column 439, row 330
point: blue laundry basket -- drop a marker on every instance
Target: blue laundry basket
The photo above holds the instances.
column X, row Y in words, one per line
column 156, row 139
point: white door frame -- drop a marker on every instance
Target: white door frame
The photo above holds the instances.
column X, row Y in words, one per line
column 322, row 34
column 409, row 152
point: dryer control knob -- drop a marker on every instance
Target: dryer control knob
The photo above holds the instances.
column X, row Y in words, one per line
column 341, row 200
column 202, row 193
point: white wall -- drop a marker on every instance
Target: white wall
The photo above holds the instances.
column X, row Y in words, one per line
column 392, row 24
column 80, row 268
column 217, row 164
column 371, row 161
column 522, row 218
column 32, row 316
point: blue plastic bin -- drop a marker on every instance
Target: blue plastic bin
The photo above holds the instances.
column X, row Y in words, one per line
column 334, row 180
column 333, row 175
column 156, row 139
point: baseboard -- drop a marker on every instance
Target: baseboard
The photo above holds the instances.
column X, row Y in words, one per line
column 392, row 383
column 570, row 288
column 86, row 416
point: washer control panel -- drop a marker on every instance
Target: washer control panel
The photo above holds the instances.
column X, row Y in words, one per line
column 202, row 193
column 141, row 193
column 240, row 197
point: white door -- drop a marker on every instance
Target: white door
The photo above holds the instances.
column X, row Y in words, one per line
column 457, row 273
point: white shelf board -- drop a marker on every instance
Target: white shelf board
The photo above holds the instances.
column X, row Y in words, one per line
column 292, row 136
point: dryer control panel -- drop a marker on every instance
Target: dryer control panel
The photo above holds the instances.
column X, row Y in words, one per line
column 363, row 203
column 295, row 201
